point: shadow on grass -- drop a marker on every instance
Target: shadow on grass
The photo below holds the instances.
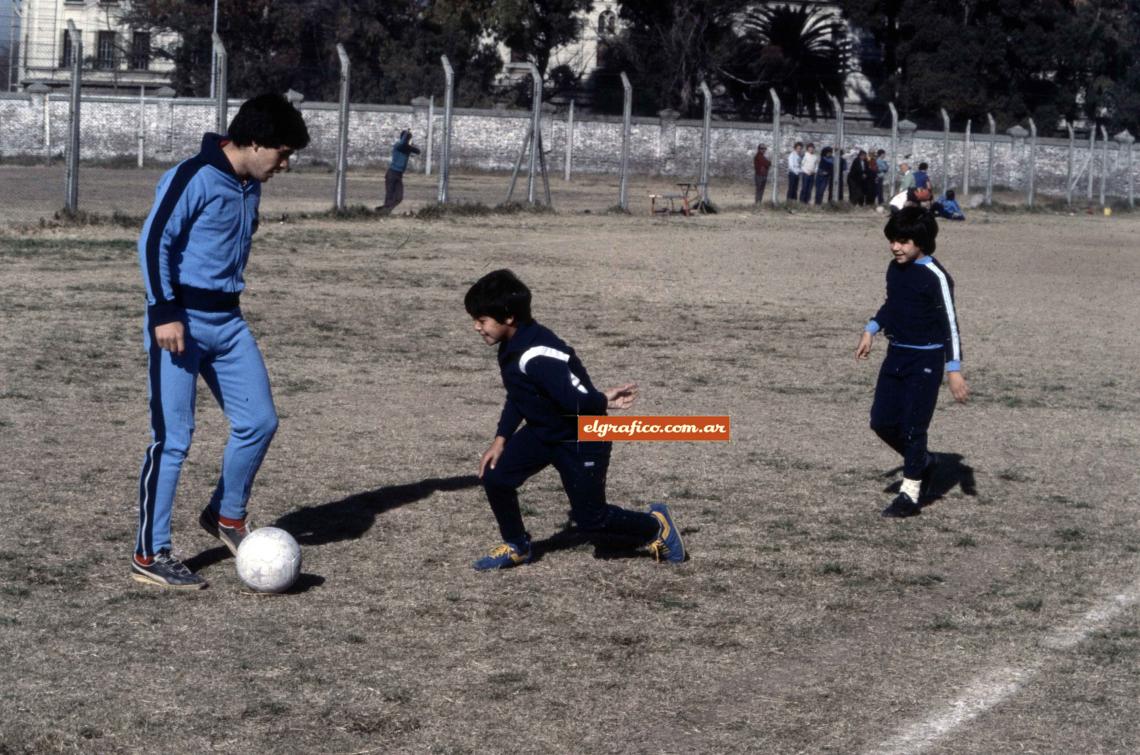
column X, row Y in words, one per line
column 951, row 472
column 349, row 518
column 606, row 547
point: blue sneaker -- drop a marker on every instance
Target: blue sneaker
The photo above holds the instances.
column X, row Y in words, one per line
column 505, row 556
column 667, row 546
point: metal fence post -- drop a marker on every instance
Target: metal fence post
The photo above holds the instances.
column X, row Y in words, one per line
column 627, row 117
column 141, row 134
column 966, row 161
column 72, row 199
column 990, row 161
column 777, row 148
column 1103, row 163
column 1031, row 189
column 894, row 159
column 220, row 93
column 1092, row 162
column 945, row 149
column 569, row 138
column 837, row 151
column 445, row 137
column 1126, row 139
column 706, row 144
column 1069, row 170
column 342, row 130
column 535, row 122
column 430, row 135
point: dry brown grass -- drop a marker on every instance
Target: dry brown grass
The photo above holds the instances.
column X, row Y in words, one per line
column 803, row 622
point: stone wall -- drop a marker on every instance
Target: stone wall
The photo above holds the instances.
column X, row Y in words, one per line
column 35, row 125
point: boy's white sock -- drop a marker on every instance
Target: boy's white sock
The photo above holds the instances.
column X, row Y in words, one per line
column 911, row 488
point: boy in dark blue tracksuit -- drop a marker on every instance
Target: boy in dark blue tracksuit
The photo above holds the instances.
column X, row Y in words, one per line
column 548, row 387
column 192, row 251
column 921, row 323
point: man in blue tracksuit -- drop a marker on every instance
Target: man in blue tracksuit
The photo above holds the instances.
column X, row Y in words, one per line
column 547, row 386
column 920, row 320
column 394, row 177
column 193, row 251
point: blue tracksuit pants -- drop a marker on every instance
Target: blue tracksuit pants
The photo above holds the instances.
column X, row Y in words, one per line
column 905, row 397
column 583, row 468
column 220, row 348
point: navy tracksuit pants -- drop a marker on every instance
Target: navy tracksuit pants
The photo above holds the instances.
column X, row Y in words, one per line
column 583, row 468
column 905, row 397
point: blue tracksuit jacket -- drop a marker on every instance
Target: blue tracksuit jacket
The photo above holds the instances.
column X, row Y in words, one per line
column 400, row 151
column 195, row 242
column 547, row 385
column 919, row 311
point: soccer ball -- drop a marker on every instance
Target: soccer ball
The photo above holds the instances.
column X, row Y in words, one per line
column 269, row 560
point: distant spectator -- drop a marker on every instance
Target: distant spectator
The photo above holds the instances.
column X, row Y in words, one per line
column 882, row 169
column 808, row 167
column 761, row 165
column 394, row 178
column 906, row 178
column 795, row 165
column 856, row 177
column 921, row 178
column 824, row 174
column 870, row 178
column 947, row 207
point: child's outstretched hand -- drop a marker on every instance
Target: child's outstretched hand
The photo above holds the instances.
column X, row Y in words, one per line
column 621, row 397
column 864, row 348
column 958, row 387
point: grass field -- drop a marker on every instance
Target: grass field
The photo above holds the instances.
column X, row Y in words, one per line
column 1004, row 619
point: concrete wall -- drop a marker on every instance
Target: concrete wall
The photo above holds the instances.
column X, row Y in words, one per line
column 36, row 126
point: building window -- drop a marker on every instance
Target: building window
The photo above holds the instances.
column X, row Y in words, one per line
column 607, row 23
column 105, row 51
column 65, row 58
column 140, row 51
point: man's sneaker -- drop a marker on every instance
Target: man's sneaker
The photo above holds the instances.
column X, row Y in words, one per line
column 231, row 537
column 505, row 556
column 165, row 570
column 667, row 546
column 902, row 507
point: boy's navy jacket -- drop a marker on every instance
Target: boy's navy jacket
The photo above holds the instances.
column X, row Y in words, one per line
column 547, row 385
column 196, row 240
column 919, row 311
column 400, row 151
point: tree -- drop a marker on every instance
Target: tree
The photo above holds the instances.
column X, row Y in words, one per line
column 533, row 29
column 797, row 50
column 274, row 45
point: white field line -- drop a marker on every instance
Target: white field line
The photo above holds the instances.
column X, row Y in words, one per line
column 997, row 685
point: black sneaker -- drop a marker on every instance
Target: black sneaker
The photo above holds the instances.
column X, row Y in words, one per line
column 902, row 507
column 165, row 570
column 231, row 537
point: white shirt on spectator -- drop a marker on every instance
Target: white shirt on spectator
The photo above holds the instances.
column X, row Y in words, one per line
column 795, row 161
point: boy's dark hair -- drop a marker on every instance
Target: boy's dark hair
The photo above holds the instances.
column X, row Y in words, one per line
column 950, row 194
column 913, row 224
column 499, row 294
column 922, row 166
column 880, row 153
column 797, row 144
column 271, row 121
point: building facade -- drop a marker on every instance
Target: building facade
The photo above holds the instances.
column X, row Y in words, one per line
column 116, row 59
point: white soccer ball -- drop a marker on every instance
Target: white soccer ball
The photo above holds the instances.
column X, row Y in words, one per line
column 269, row 560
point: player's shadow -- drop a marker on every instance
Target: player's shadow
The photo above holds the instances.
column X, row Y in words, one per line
column 951, row 472
column 349, row 518
column 571, row 538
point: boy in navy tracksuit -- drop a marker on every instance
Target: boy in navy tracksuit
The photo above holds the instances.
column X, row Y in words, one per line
column 548, row 387
column 921, row 323
column 193, row 251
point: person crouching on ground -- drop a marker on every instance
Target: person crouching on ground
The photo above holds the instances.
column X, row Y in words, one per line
column 548, row 387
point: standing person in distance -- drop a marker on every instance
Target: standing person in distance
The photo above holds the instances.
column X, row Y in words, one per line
column 394, row 176
column 760, row 166
column 193, row 252
column 795, row 164
column 808, row 167
column 921, row 324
